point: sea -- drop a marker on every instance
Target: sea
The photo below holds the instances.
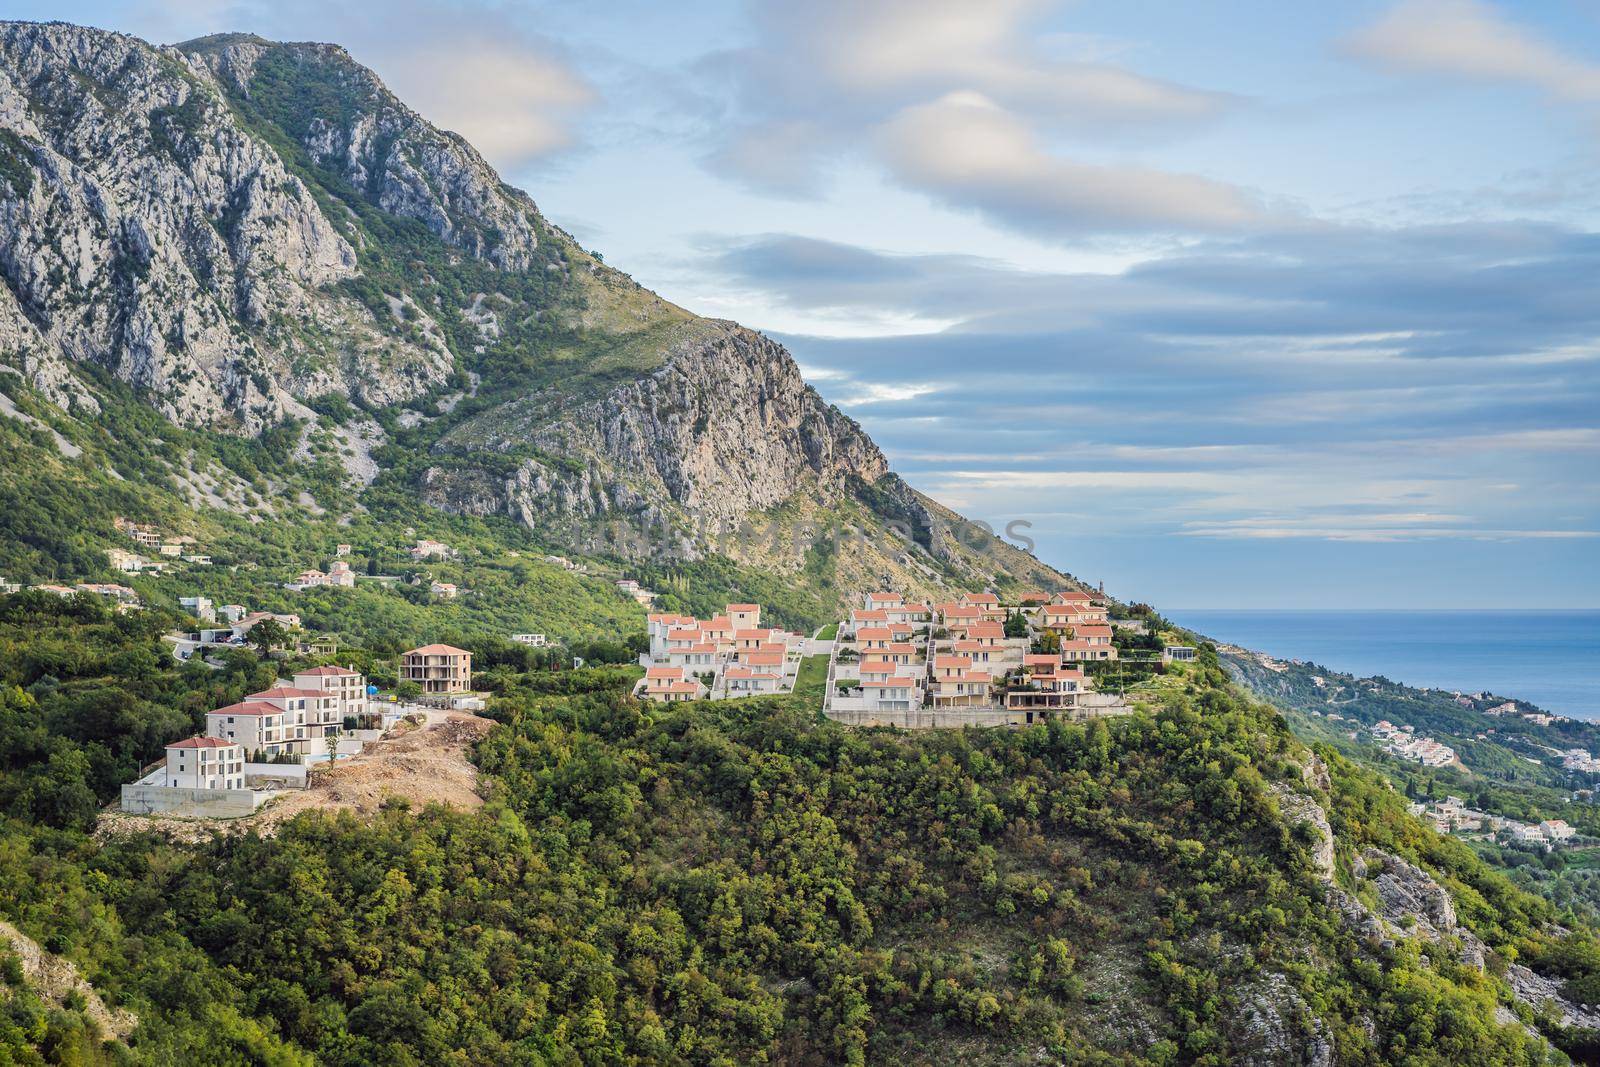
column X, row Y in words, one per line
column 1549, row 658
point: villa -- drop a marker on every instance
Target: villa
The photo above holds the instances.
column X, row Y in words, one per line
column 438, row 669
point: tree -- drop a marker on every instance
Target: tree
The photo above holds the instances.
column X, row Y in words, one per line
column 267, row 635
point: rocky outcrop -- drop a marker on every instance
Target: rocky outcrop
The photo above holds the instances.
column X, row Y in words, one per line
column 58, row 981
column 1546, row 995
column 1272, row 1025
column 724, row 427
column 143, row 229
column 382, row 148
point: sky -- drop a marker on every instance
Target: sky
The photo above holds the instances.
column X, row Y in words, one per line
column 1226, row 305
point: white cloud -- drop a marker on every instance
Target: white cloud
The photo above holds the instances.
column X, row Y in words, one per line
column 966, row 150
column 470, row 67
column 1469, row 39
column 820, row 76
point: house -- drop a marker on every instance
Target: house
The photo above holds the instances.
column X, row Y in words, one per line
column 204, row 763
column 957, row 684
column 429, row 549
column 148, row 536
column 340, row 574
column 891, row 694
column 129, row 562
column 745, row 616
column 1556, row 829
column 628, row 586
column 240, row 630
column 1048, row 685
column 7, row 588
column 881, row 601
column 1178, row 653
column 347, row 689
column 752, row 681
column 531, row 640
column 198, row 559
column 443, row 590
column 58, row 590
column 342, row 550
column 438, row 668
column 109, row 589
column 199, row 606
column 658, row 626
column 257, row 726
column 699, row 658
column 669, row 685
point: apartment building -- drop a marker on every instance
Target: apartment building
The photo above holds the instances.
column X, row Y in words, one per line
column 204, row 763
column 438, row 668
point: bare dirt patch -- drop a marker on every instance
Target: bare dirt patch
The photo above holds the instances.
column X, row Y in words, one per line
column 427, row 764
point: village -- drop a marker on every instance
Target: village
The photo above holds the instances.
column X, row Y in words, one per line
column 972, row 660
column 1452, row 816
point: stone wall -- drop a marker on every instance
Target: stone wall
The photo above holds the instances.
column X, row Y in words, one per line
column 206, row 803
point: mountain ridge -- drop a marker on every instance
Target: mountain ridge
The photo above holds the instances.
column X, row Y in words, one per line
column 253, row 233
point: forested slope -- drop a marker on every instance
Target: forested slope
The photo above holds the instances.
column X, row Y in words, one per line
column 743, row 882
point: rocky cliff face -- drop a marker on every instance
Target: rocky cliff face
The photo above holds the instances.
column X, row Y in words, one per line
column 724, row 427
column 144, row 230
column 218, row 225
column 383, row 149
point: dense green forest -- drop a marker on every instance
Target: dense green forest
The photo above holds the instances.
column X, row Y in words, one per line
column 731, row 883
column 1509, row 766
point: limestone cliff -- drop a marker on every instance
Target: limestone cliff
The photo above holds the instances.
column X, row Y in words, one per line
column 240, row 229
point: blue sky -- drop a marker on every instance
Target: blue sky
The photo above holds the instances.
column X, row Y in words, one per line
column 1237, row 305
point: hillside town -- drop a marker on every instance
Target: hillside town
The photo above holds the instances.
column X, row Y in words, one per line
column 972, row 660
column 1452, row 816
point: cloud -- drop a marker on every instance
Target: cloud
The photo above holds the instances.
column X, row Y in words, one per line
column 968, row 152
column 897, row 51
column 820, row 78
column 1468, row 39
column 505, row 91
column 1340, row 384
column 472, row 67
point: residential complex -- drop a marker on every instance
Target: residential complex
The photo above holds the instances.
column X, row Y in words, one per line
column 1402, row 741
column 729, row 655
column 952, row 662
column 293, row 718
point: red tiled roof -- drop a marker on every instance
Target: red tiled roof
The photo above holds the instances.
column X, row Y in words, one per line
column 663, row 673
column 281, row 691
column 438, row 650
column 249, row 707
column 744, row 607
column 204, row 742
column 326, row 672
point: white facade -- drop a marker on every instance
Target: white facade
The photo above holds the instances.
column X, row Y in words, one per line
column 205, row 763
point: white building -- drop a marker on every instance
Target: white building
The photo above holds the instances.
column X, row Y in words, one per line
column 205, row 763
column 429, row 549
column 1557, row 829
column 531, row 640
column 200, row 607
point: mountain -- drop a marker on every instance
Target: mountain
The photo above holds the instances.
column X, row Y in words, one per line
column 254, row 235
column 260, row 308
